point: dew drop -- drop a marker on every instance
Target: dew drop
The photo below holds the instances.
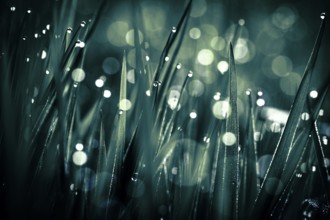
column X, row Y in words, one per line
column 29, row 11
column 193, row 115
column 106, row 93
column 190, row 73
column 48, row 26
column 83, row 24
column 156, row 83
column 178, row 66
column 80, row 44
column 305, row 116
column 13, row 8
column 69, row 30
column 322, row 15
column 173, row 29
column 135, row 177
column 47, row 72
column 167, row 58
column 44, row 31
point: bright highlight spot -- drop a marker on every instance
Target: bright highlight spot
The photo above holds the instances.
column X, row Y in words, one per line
column 261, row 102
column 125, row 104
column 99, row 83
column 223, row 67
column 106, row 93
column 205, row 57
column 195, row 33
column 173, row 99
column 78, row 75
column 130, row 37
column 79, row 158
column 229, row 138
column 79, row 146
column 80, row 44
column 305, row 116
column 221, row 109
column 313, row 94
column 193, row 115
column 43, row 54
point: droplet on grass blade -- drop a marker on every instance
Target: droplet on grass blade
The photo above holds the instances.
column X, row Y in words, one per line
column 13, row 8
column 78, row 75
column 193, row 115
column 313, row 94
column 69, row 30
column 305, row 116
column 106, row 93
column 322, row 15
column 221, row 109
column 125, row 105
column 99, row 83
column 173, row 29
column 80, row 44
column 43, row 54
column 229, row 139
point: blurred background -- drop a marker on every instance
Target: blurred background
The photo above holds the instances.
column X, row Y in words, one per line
column 272, row 41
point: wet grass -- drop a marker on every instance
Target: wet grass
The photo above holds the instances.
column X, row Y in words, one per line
column 126, row 154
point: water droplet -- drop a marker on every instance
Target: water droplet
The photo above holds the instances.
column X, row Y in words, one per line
column 13, row 8
column 27, row 59
column 260, row 93
column 261, row 102
column 83, row 24
column 43, row 54
column 156, row 83
column 147, row 58
column 99, row 83
column 79, row 146
column 178, row 66
column 135, row 177
column 190, row 73
column 44, row 31
column 229, row 138
column 313, row 94
column 173, row 29
column 48, row 26
column 29, row 11
column 80, row 44
column 79, row 158
column 23, row 38
column 322, row 15
column 193, row 115
column 78, row 75
column 167, row 58
column 248, row 92
column 47, row 72
column 69, row 30
column 148, row 93
column 72, row 187
column 305, row 116
column 106, row 93
column 217, row 96
column 36, row 35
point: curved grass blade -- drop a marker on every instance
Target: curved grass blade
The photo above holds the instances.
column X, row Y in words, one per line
column 287, row 153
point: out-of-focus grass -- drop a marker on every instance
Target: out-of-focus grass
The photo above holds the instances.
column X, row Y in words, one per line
column 126, row 153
